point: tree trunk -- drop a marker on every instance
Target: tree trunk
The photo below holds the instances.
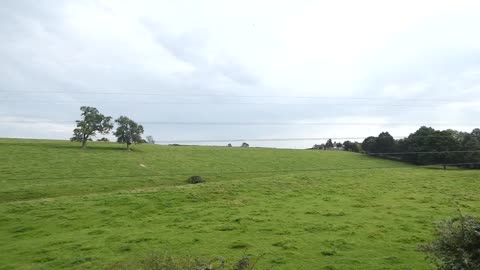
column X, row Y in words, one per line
column 84, row 141
column 128, row 147
column 444, row 167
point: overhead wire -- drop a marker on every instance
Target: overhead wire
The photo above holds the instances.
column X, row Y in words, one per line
column 247, row 123
column 162, row 94
column 210, row 102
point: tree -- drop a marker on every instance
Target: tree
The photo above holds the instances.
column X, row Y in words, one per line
column 245, row 144
column 128, row 131
column 329, row 144
column 357, row 147
column 368, row 145
column 229, row 145
column 93, row 121
column 351, row 146
column 150, row 140
column 103, row 140
column 476, row 133
column 471, row 142
column 338, row 145
column 429, row 140
column 384, row 143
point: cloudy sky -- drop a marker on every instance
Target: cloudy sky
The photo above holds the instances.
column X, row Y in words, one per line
column 304, row 69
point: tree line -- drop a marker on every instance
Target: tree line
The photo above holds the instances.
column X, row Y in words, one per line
column 429, row 146
column 423, row 147
column 93, row 122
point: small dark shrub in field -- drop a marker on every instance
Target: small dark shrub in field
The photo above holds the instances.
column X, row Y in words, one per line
column 456, row 245
column 195, row 179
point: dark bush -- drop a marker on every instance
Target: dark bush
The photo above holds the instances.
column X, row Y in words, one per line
column 456, row 245
column 195, row 179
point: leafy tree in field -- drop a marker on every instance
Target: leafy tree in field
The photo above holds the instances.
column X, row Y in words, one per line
column 429, row 140
column 357, row 147
column 128, row 131
column 384, row 143
column 103, row 140
column 93, row 121
column 150, row 140
column 369, row 144
column 329, row 144
column 245, row 144
column 471, row 142
column 456, row 245
column 229, row 145
column 352, row 146
column 420, row 141
column 338, row 145
column 447, row 142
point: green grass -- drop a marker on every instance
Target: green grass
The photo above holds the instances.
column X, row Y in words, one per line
column 63, row 207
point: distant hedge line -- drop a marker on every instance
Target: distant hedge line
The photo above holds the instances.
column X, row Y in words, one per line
column 428, row 146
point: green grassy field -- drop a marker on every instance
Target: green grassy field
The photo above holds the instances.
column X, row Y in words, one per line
column 64, row 207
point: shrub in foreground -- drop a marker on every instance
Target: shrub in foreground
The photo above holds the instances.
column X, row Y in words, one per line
column 456, row 245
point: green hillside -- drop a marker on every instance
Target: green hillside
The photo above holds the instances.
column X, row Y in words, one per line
column 64, row 207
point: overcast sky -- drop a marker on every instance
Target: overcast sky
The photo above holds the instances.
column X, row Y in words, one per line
column 240, row 61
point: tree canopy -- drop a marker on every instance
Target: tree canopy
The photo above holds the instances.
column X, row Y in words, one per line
column 352, row 146
column 128, row 131
column 329, row 144
column 92, row 122
column 429, row 146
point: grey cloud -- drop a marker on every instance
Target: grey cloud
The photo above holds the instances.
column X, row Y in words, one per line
column 192, row 47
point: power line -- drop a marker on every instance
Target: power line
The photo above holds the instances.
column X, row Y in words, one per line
column 244, row 172
column 215, row 123
column 137, row 102
column 136, row 93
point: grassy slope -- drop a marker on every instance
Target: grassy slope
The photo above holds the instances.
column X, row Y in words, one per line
column 63, row 207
